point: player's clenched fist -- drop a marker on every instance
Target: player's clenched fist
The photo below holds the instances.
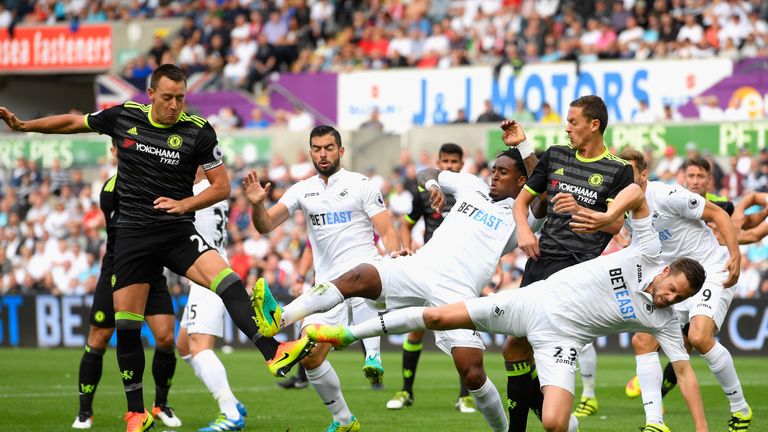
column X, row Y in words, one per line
column 255, row 193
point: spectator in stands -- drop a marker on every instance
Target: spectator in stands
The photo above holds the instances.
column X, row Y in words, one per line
column 669, row 114
column 521, row 113
column 709, row 108
column 643, row 114
column 489, row 115
column 461, row 116
column 666, row 170
column 300, row 119
column 301, row 169
column 548, row 116
column 257, row 120
column 264, row 62
column 691, row 30
column 374, row 121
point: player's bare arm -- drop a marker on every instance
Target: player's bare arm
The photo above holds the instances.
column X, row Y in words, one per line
column 219, row 190
column 727, row 233
column 526, row 239
column 689, row 388
column 263, row 220
column 630, row 198
column 382, row 223
column 747, row 201
column 753, row 235
column 427, row 178
column 566, row 203
column 58, row 124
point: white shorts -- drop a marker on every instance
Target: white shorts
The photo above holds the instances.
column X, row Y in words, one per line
column 522, row 313
column 713, row 301
column 204, row 312
column 407, row 282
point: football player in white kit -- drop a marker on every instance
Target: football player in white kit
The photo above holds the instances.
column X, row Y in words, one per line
column 203, row 321
column 454, row 265
column 680, row 217
column 629, row 290
column 342, row 209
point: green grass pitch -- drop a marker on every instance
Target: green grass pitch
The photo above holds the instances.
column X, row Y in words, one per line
column 38, row 393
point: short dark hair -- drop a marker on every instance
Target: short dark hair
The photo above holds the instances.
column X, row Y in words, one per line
column 593, row 108
column 698, row 162
column 323, row 130
column 631, row 155
column 515, row 155
column 170, row 71
column 451, row 148
column 692, row 270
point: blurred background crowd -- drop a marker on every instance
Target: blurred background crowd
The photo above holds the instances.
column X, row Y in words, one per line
column 245, row 42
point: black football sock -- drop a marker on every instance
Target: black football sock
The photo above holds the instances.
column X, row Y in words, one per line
column 411, row 354
column 130, row 357
column 302, row 373
column 232, row 292
column 537, row 397
column 91, row 365
column 163, row 368
column 518, row 394
column 670, row 380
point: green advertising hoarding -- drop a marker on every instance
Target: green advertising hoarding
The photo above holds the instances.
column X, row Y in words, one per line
column 720, row 139
column 93, row 150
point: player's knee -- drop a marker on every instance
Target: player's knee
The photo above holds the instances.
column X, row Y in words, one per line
column 644, row 343
column 701, row 341
column 433, row 318
column 516, row 349
column 99, row 338
column 416, row 337
column 473, row 376
column 164, row 340
column 555, row 422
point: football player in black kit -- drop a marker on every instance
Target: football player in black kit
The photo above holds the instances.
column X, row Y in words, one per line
column 160, row 150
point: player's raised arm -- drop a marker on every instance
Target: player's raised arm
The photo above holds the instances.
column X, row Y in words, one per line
column 263, row 220
column 630, row 198
column 57, row 124
column 689, row 388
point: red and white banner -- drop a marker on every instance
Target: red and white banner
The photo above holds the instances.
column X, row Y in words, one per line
column 56, row 49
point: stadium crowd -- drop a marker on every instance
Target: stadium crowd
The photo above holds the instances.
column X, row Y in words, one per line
column 52, row 230
column 245, row 41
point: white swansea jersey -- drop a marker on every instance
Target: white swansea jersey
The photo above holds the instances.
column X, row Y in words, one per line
column 676, row 213
column 338, row 218
column 211, row 222
column 605, row 295
column 475, row 234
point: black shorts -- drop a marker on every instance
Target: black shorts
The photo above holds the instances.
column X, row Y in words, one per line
column 102, row 313
column 542, row 268
column 142, row 252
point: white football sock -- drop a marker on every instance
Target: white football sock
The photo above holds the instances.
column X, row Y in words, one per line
column 400, row 321
column 649, row 375
column 720, row 363
column 327, row 385
column 214, row 376
column 320, row 298
column 573, row 424
column 588, row 366
column 362, row 312
column 488, row 402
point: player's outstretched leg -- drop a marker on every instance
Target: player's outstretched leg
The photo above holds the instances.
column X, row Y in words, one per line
column 280, row 357
column 337, row 336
